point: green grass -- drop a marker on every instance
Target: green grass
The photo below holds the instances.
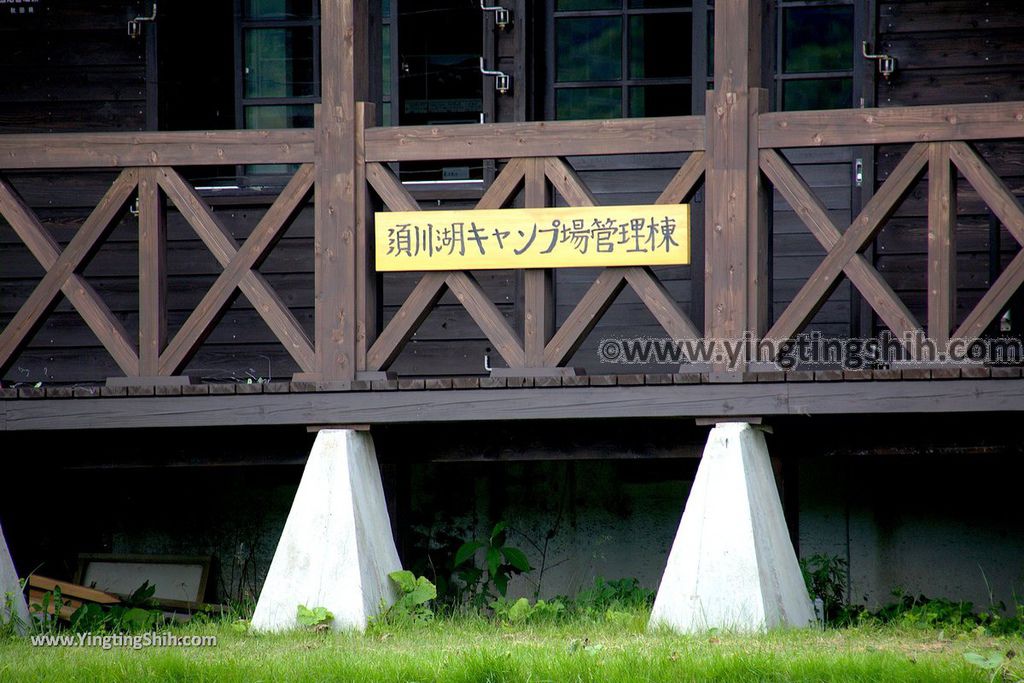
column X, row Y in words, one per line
column 474, row 649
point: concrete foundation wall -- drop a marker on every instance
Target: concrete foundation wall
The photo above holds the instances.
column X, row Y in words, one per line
column 927, row 524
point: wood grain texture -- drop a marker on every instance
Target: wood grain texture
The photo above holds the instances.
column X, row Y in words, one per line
column 584, row 316
column 812, row 212
column 119, row 150
column 941, row 243
column 254, row 285
column 492, row 323
column 933, row 123
column 97, row 315
column 414, row 310
column 74, row 257
column 825, row 277
column 582, row 402
column 152, row 273
column 199, row 325
column 535, row 139
column 685, row 182
column 660, row 303
column 538, row 283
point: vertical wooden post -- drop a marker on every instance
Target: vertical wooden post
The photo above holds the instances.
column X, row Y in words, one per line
column 152, row 273
column 539, row 310
column 366, row 274
column 736, row 231
column 343, row 55
column 941, row 243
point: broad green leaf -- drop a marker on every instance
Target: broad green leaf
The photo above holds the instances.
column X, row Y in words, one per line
column 424, row 591
column 466, row 551
column 501, row 583
column 520, row 610
column 498, row 528
column 992, row 661
column 516, row 558
column 405, row 580
column 493, row 561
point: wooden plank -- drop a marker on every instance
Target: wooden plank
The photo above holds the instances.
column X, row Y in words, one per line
column 684, row 182
column 96, row 314
column 488, row 317
column 119, row 150
column 152, row 273
column 868, row 281
column 941, row 243
column 660, row 303
column 990, row 187
column 580, row 402
column 568, row 184
column 390, row 189
column 535, row 139
column 409, row 317
column 538, row 284
column 825, row 277
column 197, row 328
column 936, row 123
column 368, row 282
column 254, row 285
column 343, row 55
column 598, row 298
column 759, row 217
column 74, row 257
column 503, row 187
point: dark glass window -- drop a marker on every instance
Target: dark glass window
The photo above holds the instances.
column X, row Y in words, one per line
column 615, row 58
column 815, row 55
column 280, row 74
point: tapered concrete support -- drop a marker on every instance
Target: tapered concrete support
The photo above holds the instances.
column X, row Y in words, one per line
column 12, row 599
column 336, row 550
column 732, row 565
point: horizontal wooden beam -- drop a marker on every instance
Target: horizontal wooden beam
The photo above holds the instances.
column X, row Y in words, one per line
column 535, row 139
column 892, row 125
column 393, row 407
column 119, row 150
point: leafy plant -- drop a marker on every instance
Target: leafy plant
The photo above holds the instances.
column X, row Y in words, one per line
column 826, row 577
column 521, row 611
column 317, row 618
column 414, row 594
column 11, row 623
column 996, row 663
column 617, row 595
column 501, row 563
column 134, row 614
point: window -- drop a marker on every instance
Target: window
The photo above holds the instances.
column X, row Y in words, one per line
column 620, row 58
column 279, row 75
column 814, row 54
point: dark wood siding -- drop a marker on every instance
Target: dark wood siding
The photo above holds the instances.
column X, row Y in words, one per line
column 950, row 52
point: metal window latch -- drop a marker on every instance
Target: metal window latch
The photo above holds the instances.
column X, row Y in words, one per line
column 858, row 172
column 135, row 25
column 502, row 81
column 886, row 63
column 502, row 16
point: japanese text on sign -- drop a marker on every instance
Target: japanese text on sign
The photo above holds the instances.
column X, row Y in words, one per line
column 533, row 238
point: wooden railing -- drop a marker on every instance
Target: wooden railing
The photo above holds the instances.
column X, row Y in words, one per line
column 534, row 158
column 146, row 162
column 940, row 137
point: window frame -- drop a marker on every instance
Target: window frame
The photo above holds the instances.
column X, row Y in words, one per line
column 699, row 13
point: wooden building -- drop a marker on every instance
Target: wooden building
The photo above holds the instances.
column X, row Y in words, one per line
column 186, row 236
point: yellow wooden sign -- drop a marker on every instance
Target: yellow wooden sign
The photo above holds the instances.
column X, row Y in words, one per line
column 563, row 237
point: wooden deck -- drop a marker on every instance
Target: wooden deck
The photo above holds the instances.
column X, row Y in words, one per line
column 352, row 332
column 797, row 393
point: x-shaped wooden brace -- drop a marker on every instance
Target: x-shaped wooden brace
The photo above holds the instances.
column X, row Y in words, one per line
column 63, row 273
column 844, row 248
column 994, row 192
column 239, row 270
